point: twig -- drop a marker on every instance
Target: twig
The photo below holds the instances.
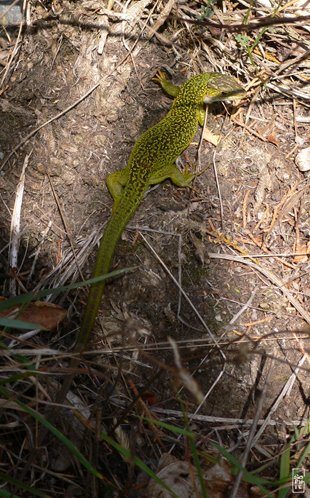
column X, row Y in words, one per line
column 251, row 26
column 218, row 189
column 15, row 224
column 250, row 130
column 288, row 91
column 186, row 377
column 183, row 294
column 273, row 278
column 227, row 420
column 250, row 441
column 83, row 253
column 63, row 219
column 244, row 307
column 54, row 118
column 15, row 50
column 282, row 394
column 71, row 106
column 38, row 250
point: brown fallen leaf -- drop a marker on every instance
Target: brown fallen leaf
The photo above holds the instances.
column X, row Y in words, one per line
column 273, row 139
column 304, row 253
column 181, row 477
column 211, row 137
column 47, row 315
column 176, row 474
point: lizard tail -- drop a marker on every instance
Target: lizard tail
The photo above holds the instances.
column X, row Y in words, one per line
column 108, row 242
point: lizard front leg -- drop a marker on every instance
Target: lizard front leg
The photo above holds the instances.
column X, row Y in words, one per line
column 168, row 87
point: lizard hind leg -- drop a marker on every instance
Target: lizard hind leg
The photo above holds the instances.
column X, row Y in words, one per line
column 179, row 179
column 116, row 183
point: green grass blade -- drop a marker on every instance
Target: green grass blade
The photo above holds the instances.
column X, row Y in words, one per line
column 124, row 452
column 305, row 453
column 304, row 432
column 192, row 445
column 7, row 494
column 285, row 460
column 12, row 323
column 246, row 475
column 17, row 377
column 20, row 485
column 198, row 468
column 61, row 437
column 285, row 469
column 169, row 427
column 185, row 432
column 31, row 296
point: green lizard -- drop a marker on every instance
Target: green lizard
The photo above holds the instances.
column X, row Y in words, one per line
column 152, row 160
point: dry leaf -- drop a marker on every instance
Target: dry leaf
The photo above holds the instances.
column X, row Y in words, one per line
column 177, row 475
column 133, row 15
column 200, row 247
column 47, row 315
column 210, row 137
column 272, row 139
column 304, row 253
column 264, row 185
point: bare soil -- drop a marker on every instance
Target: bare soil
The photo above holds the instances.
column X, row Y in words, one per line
column 265, row 205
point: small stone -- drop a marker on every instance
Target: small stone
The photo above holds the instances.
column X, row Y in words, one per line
column 41, row 168
column 302, row 160
column 112, row 117
column 10, row 15
column 55, row 166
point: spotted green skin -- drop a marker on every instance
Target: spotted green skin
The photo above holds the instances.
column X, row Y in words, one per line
column 152, row 160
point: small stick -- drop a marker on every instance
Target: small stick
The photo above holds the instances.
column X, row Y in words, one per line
column 273, row 278
column 218, row 189
column 15, row 224
column 54, row 118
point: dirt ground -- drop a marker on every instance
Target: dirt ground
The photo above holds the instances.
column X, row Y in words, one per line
column 237, row 332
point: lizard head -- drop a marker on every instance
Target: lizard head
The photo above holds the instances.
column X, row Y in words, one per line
column 223, row 87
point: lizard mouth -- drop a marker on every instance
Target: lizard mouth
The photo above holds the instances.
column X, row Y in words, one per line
column 230, row 96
